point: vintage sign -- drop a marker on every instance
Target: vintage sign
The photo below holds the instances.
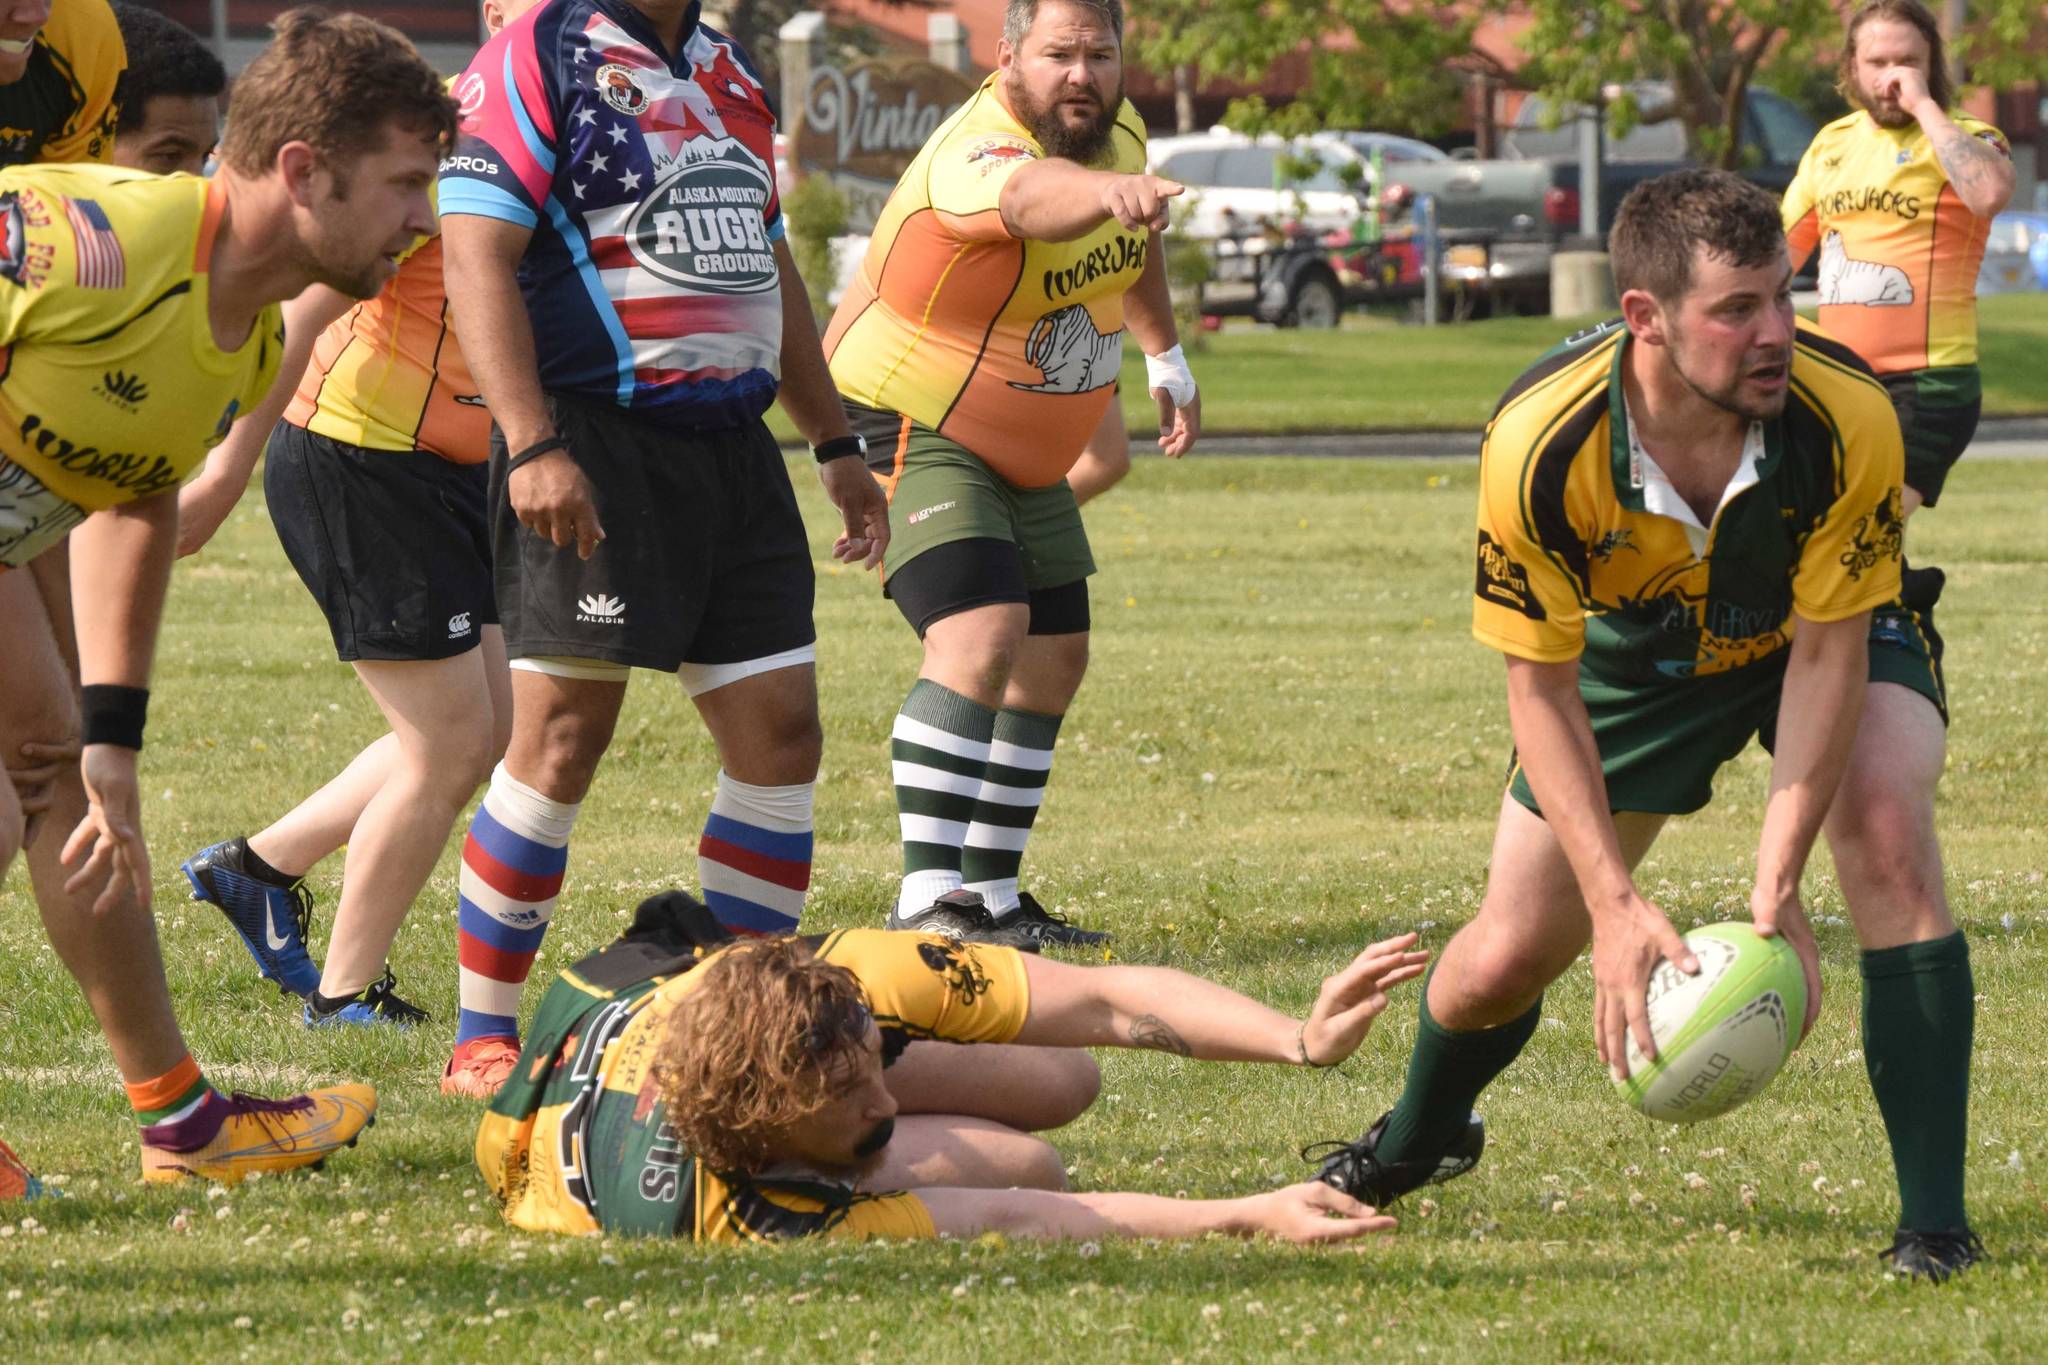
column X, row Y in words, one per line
column 862, row 125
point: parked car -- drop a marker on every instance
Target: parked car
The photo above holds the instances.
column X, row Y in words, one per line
column 1530, row 198
column 2015, row 255
column 1238, row 185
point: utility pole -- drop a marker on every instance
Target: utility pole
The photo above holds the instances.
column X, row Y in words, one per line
column 1955, row 17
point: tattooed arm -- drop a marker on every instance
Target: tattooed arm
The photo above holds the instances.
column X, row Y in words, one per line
column 1980, row 171
column 1170, row 1011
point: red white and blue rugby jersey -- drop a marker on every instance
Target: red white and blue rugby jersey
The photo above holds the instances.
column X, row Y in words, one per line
column 651, row 279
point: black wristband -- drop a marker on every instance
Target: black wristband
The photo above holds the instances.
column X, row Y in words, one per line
column 114, row 714
column 536, row 450
column 839, row 447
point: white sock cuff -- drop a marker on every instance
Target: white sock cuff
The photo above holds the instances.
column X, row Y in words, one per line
column 526, row 812
column 786, row 810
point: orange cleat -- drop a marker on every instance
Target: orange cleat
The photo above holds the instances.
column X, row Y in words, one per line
column 480, row 1067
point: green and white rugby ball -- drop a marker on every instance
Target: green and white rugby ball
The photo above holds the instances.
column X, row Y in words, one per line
column 1721, row 1034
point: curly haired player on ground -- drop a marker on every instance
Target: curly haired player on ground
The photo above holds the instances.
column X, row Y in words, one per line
column 141, row 318
column 677, row 1084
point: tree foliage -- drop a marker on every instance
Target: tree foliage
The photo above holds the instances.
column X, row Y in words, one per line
column 1399, row 65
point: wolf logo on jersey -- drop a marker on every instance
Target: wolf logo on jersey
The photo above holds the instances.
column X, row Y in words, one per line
column 1845, row 280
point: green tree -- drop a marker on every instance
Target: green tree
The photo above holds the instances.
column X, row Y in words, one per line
column 1378, row 64
column 754, row 24
column 1400, row 72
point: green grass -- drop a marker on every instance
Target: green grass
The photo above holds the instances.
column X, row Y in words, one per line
column 1379, row 375
column 1288, row 744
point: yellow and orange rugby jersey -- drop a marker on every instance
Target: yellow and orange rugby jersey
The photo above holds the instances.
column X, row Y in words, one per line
column 1008, row 347
column 389, row 373
column 1573, row 565
column 1899, row 252
column 112, row 386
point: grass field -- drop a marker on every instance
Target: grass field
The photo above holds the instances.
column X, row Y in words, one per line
column 1381, row 375
column 1288, row 744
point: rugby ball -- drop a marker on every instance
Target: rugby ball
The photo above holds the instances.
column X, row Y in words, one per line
column 1722, row 1033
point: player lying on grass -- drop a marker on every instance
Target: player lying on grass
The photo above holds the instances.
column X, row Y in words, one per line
column 141, row 316
column 680, row 1084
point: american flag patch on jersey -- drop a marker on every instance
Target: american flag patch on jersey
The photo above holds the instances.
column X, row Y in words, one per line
column 100, row 262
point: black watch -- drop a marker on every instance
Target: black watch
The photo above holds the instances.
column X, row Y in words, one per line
column 840, row 446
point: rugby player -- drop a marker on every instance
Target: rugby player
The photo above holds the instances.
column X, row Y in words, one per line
column 59, row 72
column 141, row 317
column 615, row 255
column 1686, row 521
column 58, row 75
column 1899, row 198
column 677, row 1085
column 60, row 67
column 375, row 478
column 977, row 350
column 169, row 114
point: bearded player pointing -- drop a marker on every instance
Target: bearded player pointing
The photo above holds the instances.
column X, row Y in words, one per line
column 977, row 352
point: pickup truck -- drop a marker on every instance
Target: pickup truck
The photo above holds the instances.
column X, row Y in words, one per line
column 1528, row 200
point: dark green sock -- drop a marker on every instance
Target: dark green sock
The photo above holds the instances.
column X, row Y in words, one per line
column 1446, row 1072
column 1919, row 1017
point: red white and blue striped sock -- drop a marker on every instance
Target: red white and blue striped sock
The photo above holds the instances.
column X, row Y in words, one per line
column 512, row 864
column 754, row 861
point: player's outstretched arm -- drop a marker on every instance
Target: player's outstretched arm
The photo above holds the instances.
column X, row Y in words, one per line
column 1554, row 738
column 1056, row 200
column 204, row 502
column 1307, row 1213
column 1171, row 1011
column 548, row 493
column 1821, row 702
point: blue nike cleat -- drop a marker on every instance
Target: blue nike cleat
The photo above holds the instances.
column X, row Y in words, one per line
column 272, row 920
column 376, row 1004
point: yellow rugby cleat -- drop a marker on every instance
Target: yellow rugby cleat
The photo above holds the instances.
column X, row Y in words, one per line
column 270, row 1135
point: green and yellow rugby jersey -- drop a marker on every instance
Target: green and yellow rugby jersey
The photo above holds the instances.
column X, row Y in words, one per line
column 111, row 385
column 1572, row 565
column 578, row 1139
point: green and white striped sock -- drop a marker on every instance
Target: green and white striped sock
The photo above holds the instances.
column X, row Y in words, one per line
column 1019, row 761
column 938, row 755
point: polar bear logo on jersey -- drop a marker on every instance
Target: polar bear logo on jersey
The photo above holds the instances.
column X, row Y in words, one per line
column 1076, row 356
column 1846, row 280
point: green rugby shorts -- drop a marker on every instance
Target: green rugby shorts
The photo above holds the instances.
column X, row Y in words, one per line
column 1661, row 746
column 1938, row 411
column 939, row 492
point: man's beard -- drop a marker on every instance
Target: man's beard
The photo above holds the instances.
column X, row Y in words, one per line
column 1882, row 114
column 1730, row 400
column 1059, row 138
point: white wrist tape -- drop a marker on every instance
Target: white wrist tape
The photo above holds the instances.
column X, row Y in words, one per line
column 1170, row 371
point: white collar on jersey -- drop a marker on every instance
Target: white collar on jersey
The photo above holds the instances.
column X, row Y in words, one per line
column 1662, row 499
